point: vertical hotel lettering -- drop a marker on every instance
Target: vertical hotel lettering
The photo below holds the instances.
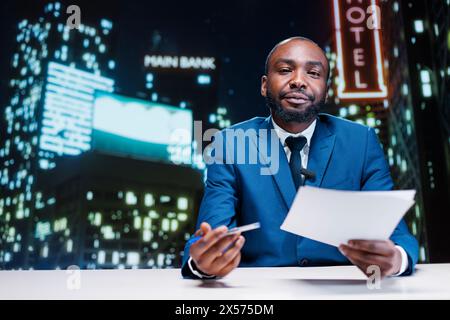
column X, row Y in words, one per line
column 358, row 45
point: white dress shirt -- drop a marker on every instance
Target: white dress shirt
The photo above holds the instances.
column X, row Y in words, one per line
column 307, row 133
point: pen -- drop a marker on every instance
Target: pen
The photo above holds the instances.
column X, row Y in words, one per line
column 235, row 230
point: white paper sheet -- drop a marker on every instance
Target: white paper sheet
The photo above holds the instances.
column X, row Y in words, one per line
column 335, row 217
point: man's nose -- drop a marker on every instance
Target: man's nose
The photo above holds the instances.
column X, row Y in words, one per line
column 297, row 81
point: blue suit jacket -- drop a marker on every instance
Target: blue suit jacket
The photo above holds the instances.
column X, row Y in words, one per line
column 344, row 155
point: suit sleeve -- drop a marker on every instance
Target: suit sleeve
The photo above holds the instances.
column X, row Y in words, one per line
column 220, row 198
column 376, row 176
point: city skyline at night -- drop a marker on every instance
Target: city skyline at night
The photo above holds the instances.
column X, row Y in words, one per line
column 99, row 166
column 65, row 106
column 31, row 116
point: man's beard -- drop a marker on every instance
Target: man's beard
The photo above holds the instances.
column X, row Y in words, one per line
column 304, row 116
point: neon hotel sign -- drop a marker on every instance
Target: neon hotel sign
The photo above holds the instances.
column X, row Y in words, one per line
column 358, row 44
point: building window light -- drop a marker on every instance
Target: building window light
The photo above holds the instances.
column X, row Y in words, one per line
column 426, row 83
column 405, row 89
column 107, row 232
column 101, row 257
column 408, row 129
column 436, row 30
column 203, row 79
column 408, row 115
column 395, row 51
column 133, row 258
column 130, row 198
column 395, row 6
column 44, row 252
column 426, row 90
column 182, row 203
column 418, row 26
column 343, row 112
column 371, row 122
column 394, row 141
column 164, row 199
column 425, row 76
column 69, row 245
column 106, row 24
column 149, row 200
column 353, row 109
column 115, row 257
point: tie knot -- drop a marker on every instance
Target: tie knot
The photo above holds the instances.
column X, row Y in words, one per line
column 296, row 143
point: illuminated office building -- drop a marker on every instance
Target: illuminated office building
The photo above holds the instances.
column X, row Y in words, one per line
column 135, row 217
column 53, row 74
column 68, row 112
column 62, row 200
column 187, row 82
column 120, row 203
column 184, row 81
column 416, row 37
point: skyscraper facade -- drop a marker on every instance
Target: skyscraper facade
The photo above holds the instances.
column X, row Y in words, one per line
column 416, row 46
column 51, row 62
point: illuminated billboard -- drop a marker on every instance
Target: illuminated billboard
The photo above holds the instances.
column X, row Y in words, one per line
column 142, row 129
column 358, row 45
column 67, row 115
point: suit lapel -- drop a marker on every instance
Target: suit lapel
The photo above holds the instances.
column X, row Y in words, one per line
column 282, row 176
column 322, row 144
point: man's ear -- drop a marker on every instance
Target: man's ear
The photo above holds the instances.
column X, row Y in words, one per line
column 264, row 86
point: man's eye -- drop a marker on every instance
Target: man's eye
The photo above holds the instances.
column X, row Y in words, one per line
column 314, row 73
column 284, row 70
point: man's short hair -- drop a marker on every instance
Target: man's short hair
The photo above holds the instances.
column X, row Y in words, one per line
column 266, row 67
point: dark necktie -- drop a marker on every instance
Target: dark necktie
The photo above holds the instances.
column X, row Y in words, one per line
column 295, row 162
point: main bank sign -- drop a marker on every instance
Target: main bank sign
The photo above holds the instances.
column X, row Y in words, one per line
column 179, row 62
column 358, row 43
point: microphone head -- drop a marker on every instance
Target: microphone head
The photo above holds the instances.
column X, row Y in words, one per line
column 308, row 174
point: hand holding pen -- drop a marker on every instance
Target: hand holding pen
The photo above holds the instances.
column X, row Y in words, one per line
column 215, row 251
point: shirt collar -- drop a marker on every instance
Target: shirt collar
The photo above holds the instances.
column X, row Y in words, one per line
column 283, row 134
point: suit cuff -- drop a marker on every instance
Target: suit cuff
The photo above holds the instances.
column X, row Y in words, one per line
column 196, row 271
column 404, row 265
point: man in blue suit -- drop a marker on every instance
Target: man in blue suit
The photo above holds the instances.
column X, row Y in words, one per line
column 342, row 155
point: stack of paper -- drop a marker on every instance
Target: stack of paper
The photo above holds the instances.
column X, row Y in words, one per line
column 335, row 217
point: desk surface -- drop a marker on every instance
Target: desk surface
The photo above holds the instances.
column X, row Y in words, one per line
column 430, row 281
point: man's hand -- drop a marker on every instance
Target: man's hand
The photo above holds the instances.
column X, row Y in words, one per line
column 364, row 253
column 208, row 252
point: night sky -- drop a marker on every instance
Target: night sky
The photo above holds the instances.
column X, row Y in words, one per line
column 238, row 33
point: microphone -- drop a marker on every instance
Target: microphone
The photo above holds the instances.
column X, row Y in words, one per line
column 309, row 175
